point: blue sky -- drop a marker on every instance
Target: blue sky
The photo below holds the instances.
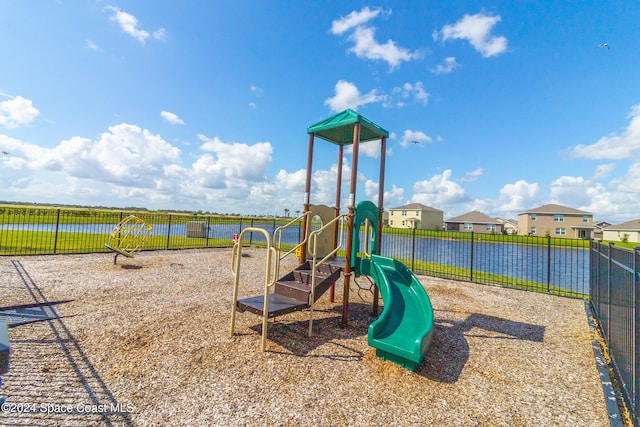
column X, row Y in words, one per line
column 204, row 105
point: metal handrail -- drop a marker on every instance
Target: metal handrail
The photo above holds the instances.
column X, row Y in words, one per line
column 313, row 239
column 270, row 279
column 277, row 239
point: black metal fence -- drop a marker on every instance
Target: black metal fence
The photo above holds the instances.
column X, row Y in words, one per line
column 615, row 300
column 32, row 231
column 543, row 264
column 557, row 266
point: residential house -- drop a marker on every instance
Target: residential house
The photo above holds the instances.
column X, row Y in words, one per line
column 474, row 221
column 510, row 226
column 417, row 215
column 556, row 221
column 627, row 231
column 598, row 228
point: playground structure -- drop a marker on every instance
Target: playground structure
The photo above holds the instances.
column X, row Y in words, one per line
column 128, row 237
column 403, row 332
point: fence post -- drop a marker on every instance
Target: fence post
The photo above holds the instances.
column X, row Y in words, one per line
column 413, row 248
column 208, row 229
column 251, row 234
column 548, row 264
column 636, row 338
column 471, row 260
column 55, row 239
column 595, row 248
column 169, row 231
column 609, row 262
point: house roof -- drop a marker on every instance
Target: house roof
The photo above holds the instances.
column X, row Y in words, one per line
column 339, row 128
column 475, row 217
column 555, row 209
column 511, row 222
column 416, row 207
column 602, row 224
column 633, row 225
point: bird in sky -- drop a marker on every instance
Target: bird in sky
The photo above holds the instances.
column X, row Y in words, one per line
column 415, row 142
column 605, row 45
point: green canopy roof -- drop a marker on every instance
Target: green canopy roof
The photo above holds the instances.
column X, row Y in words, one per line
column 338, row 128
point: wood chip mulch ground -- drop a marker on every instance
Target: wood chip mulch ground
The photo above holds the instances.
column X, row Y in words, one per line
column 146, row 342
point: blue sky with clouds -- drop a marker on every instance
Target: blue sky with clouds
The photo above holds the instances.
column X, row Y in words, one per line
column 204, row 105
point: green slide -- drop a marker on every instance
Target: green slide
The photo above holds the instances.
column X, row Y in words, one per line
column 403, row 332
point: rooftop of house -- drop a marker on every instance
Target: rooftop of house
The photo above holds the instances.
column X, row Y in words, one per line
column 415, row 206
column 475, row 217
column 553, row 209
column 633, row 225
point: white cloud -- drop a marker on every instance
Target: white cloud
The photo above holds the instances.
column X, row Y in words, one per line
column 91, row 45
column 354, row 19
column 130, row 25
column 125, row 155
column 17, row 112
column 130, row 166
column 606, row 205
column 415, row 91
column 473, row 175
column 604, row 171
column 448, row 65
column 476, row 29
column 348, row 96
column 293, row 181
column 619, row 200
column 439, row 191
column 368, row 148
column 160, row 34
column 393, row 197
column 363, row 37
column 410, row 137
column 571, row 191
column 367, row 47
column 517, row 197
column 256, row 90
column 371, row 189
column 238, row 161
column 171, row 118
column 614, row 146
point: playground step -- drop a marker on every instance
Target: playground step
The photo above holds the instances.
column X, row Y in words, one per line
column 278, row 305
column 292, row 292
column 297, row 284
column 293, row 289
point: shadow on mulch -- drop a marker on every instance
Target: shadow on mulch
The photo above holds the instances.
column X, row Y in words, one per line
column 449, row 351
column 293, row 336
column 444, row 362
column 67, row 365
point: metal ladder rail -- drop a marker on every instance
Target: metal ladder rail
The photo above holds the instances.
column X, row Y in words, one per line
column 313, row 240
column 270, row 280
column 277, row 239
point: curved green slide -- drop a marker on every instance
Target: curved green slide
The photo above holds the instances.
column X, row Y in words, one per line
column 403, row 332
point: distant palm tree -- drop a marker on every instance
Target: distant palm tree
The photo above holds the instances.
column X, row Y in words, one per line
column 286, row 212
